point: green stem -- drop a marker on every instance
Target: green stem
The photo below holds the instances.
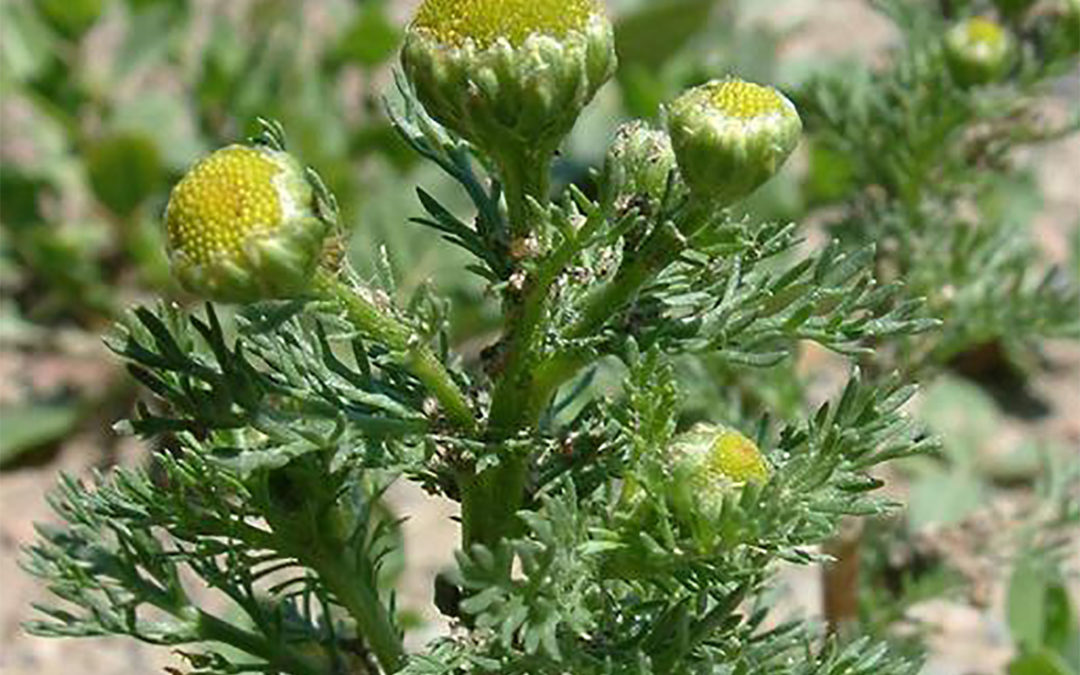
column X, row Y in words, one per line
column 663, row 245
column 524, row 173
column 310, row 527
column 274, row 653
column 659, row 250
column 368, row 317
column 490, row 499
column 362, row 601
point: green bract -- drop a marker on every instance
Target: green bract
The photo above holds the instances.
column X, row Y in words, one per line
column 508, row 72
column 242, row 226
column 978, row 50
column 640, row 161
column 731, row 136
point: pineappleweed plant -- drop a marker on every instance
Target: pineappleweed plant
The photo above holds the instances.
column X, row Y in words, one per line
column 601, row 531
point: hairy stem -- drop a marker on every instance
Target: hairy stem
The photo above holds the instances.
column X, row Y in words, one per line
column 364, row 313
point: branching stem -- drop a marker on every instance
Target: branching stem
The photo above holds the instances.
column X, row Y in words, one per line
column 277, row 655
column 364, row 313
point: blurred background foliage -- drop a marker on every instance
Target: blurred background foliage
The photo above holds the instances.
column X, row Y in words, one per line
column 105, row 104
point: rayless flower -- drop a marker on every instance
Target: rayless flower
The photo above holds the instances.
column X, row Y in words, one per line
column 242, row 226
column 978, row 51
column 706, row 463
column 730, row 136
column 509, row 75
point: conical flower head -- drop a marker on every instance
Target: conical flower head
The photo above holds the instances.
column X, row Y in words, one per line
column 978, row 50
column 242, row 226
column 730, row 136
column 508, row 72
column 707, row 462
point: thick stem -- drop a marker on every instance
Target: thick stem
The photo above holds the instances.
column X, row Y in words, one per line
column 362, row 601
column 659, row 250
column 525, row 173
column 490, row 500
column 276, row 654
column 369, row 318
column 315, row 530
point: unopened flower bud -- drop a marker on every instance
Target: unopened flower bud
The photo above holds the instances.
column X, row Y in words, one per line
column 978, row 51
column 708, row 461
column 242, row 226
column 508, row 72
column 731, row 136
column 640, row 161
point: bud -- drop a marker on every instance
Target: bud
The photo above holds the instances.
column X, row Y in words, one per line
column 511, row 73
column 708, row 461
column 731, row 136
column 640, row 161
column 978, row 51
column 242, row 226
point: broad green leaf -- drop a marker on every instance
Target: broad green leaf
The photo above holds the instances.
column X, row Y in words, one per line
column 1026, row 603
column 1040, row 612
column 125, row 170
column 963, row 414
column 71, row 18
column 167, row 119
column 26, row 43
column 655, row 33
column 944, row 499
column 372, row 39
column 27, row 427
column 1042, row 662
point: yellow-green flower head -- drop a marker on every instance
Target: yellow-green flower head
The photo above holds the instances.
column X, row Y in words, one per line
column 242, row 226
column 508, row 72
column 707, row 462
column 640, row 161
column 978, row 51
column 455, row 22
column 730, row 136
